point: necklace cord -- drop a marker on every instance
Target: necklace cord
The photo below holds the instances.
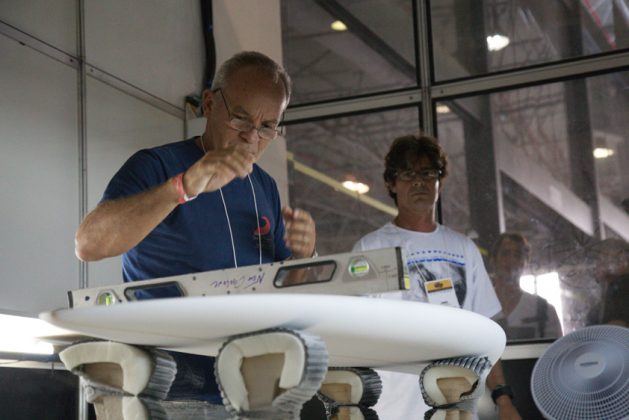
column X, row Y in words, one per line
column 255, row 204
column 229, row 225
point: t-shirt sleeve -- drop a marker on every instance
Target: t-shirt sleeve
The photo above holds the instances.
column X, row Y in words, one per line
column 141, row 172
column 358, row 246
column 368, row 242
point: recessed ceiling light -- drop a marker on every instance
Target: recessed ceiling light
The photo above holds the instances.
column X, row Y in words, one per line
column 603, row 152
column 497, row 42
column 355, row 186
column 443, row 109
column 338, row 25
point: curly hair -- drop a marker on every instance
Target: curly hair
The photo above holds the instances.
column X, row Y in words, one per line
column 405, row 151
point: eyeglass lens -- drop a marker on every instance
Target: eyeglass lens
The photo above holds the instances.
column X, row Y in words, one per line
column 425, row 175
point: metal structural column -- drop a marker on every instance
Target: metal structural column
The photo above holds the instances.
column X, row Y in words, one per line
column 82, row 148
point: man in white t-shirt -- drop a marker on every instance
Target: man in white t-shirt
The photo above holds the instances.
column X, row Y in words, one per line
column 415, row 168
column 524, row 315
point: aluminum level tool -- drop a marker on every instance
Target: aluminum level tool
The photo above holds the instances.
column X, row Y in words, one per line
column 355, row 273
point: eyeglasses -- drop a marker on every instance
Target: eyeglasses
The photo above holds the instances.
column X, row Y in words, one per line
column 424, row 175
column 241, row 124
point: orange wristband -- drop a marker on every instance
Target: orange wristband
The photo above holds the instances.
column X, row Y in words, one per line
column 183, row 197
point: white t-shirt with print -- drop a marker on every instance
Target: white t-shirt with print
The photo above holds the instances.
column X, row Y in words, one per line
column 440, row 254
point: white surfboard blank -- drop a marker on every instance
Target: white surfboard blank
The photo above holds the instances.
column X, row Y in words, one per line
column 358, row 331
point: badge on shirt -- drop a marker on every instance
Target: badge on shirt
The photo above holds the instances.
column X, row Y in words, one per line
column 441, row 292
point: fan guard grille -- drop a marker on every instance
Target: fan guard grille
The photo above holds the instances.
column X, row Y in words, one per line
column 584, row 375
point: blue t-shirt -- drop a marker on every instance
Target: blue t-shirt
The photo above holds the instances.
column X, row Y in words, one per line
column 195, row 236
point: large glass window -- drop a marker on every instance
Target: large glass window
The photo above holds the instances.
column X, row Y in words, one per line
column 531, row 152
column 473, row 37
column 544, row 161
column 328, row 153
column 344, row 48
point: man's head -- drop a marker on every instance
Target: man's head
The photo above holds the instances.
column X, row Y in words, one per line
column 249, row 94
column 509, row 257
column 263, row 64
column 415, row 166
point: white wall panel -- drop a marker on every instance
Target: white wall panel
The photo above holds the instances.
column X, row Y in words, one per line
column 247, row 25
column 118, row 125
column 156, row 45
column 38, row 179
column 52, row 21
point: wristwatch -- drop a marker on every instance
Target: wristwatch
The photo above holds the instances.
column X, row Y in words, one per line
column 501, row 390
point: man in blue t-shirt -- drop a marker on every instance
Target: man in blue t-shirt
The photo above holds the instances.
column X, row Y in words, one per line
column 203, row 204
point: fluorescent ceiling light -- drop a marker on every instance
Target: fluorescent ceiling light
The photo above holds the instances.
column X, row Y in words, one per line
column 20, row 335
column 358, row 187
column 443, row 109
column 603, row 152
column 497, row 42
column 338, row 25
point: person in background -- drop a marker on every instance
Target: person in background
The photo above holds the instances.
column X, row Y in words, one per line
column 523, row 315
column 415, row 170
column 203, row 203
column 625, row 205
column 612, row 275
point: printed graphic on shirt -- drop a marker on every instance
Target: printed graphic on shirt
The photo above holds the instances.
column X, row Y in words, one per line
column 264, row 235
column 433, row 264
